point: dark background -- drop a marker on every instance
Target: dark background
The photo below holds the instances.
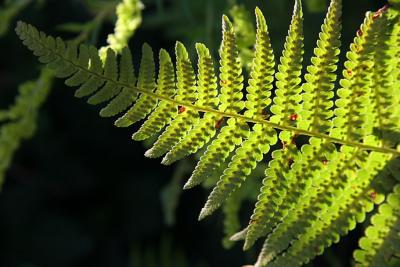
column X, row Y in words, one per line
column 81, row 193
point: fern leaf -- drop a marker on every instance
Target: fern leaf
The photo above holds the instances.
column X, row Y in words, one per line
column 295, row 222
column 95, row 66
column 127, row 96
column 286, row 105
column 262, row 73
column 207, row 81
column 165, row 111
column 231, row 77
column 18, row 123
column 272, row 193
column 205, row 129
column 146, row 81
column 384, row 82
column 350, row 207
column 217, row 152
column 80, row 76
column 259, row 140
column 243, row 162
column 356, row 85
column 380, row 245
column 110, row 89
column 318, row 90
column 187, row 92
column 230, row 97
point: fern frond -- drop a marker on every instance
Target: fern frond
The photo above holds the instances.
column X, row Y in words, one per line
column 231, row 77
column 318, row 89
column 187, row 92
column 110, row 88
column 353, row 101
column 205, row 129
column 165, row 111
column 349, row 207
column 18, row 123
column 262, row 73
column 146, row 81
column 384, row 81
column 258, row 142
column 218, row 151
column 286, row 105
column 267, row 210
column 243, row 162
column 230, row 98
column 380, row 245
column 310, row 196
column 127, row 96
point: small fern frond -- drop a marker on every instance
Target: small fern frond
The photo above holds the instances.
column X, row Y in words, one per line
column 318, row 89
column 110, row 88
column 259, row 140
column 385, row 81
column 165, row 111
column 268, row 211
column 337, row 219
column 146, row 81
column 205, row 129
column 184, row 121
column 207, row 80
column 353, row 101
column 286, row 105
column 18, row 123
column 127, row 96
column 231, row 77
column 380, row 245
column 262, row 73
column 218, row 151
column 246, row 157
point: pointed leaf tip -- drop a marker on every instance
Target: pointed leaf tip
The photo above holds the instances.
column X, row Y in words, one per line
column 201, row 49
column 164, row 56
column 146, row 48
column 298, row 7
column 226, row 24
column 166, row 161
column 261, row 22
column 187, row 185
column 203, row 213
column 181, row 51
